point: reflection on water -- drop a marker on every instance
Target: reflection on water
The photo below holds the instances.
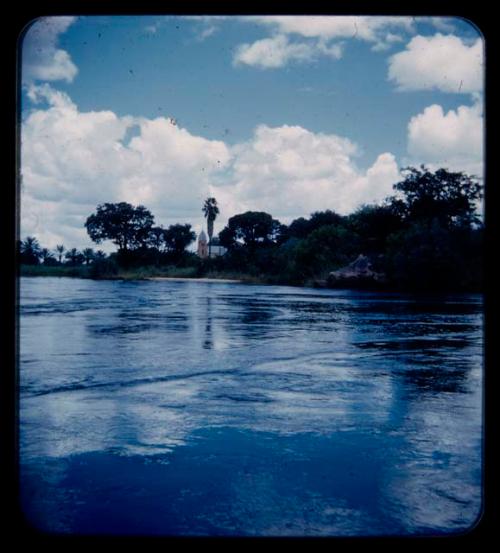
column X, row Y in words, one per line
column 223, row 409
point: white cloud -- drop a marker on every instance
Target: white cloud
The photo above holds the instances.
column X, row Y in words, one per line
column 82, row 159
column 41, row 59
column 440, row 62
column 206, row 32
column 389, row 40
column 290, row 172
column 316, row 35
column 453, row 140
column 445, row 24
column 368, row 28
column 272, row 52
column 71, row 161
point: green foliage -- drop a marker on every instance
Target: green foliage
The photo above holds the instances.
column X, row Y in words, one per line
column 373, row 224
column 50, row 261
column 30, row 251
column 178, row 237
column 250, row 229
column 103, row 267
column 88, row 255
column 156, row 238
column 125, row 225
column 210, row 211
column 301, row 228
column 227, row 238
column 448, row 197
column 428, row 237
column 60, row 249
column 325, row 249
column 428, row 256
column 74, row 257
column 46, row 256
column 54, row 271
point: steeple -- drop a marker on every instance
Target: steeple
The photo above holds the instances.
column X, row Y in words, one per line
column 202, row 245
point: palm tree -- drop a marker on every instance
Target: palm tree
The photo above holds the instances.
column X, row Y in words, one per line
column 30, row 251
column 45, row 254
column 60, row 249
column 88, row 254
column 74, row 256
column 211, row 211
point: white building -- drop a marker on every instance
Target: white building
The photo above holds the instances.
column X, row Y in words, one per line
column 216, row 249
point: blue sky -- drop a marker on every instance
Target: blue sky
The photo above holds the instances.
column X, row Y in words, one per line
column 287, row 115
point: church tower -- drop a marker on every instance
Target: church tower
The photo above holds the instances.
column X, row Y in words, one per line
column 202, row 245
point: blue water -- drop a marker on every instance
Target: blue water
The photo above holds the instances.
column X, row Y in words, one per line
column 214, row 409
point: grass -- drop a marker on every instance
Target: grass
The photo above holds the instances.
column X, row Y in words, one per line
column 141, row 273
column 81, row 271
column 234, row 275
column 135, row 273
column 147, row 272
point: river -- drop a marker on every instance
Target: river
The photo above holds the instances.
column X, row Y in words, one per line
column 219, row 409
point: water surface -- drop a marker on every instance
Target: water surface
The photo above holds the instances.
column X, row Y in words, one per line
column 196, row 408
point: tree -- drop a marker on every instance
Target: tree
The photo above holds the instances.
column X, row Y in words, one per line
column 156, row 238
column 301, row 227
column 448, row 197
column 252, row 227
column 326, row 248
column 373, row 224
column 427, row 256
column 125, row 225
column 211, row 211
column 178, row 237
column 99, row 255
column 46, row 256
column 30, row 251
column 74, row 257
column 227, row 238
column 60, row 249
column 88, row 255
column 320, row 219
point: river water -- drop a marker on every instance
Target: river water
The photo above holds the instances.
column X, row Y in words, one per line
column 214, row 409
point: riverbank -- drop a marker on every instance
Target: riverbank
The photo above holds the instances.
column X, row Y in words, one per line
column 192, row 274
column 201, row 279
column 140, row 273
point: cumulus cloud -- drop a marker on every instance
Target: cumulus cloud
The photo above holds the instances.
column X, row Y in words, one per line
column 439, row 62
column 453, row 140
column 368, row 28
column 272, row 52
column 314, row 36
column 278, row 51
column 292, row 172
column 41, row 58
column 71, row 161
column 69, row 157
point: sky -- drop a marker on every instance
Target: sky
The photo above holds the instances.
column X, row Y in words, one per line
column 283, row 114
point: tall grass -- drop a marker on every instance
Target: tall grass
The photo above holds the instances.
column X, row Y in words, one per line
column 79, row 271
column 141, row 273
column 136, row 273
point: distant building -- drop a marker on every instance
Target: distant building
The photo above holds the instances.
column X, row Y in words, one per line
column 215, row 249
column 202, row 245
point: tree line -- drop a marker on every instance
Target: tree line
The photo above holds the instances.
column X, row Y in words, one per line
column 427, row 236
column 31, row 253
